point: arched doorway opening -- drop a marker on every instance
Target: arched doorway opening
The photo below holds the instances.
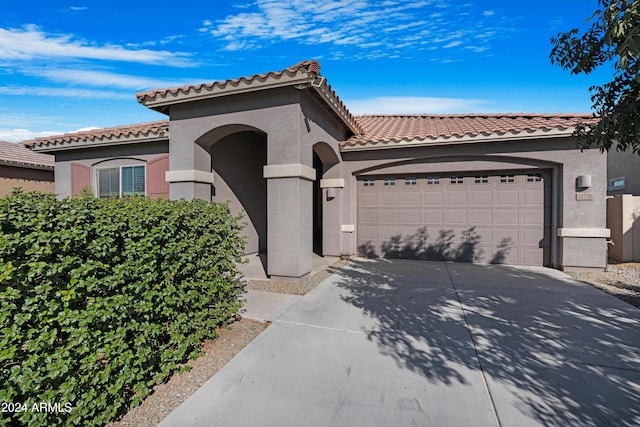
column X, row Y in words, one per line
column 238, row 156
column 325, row 163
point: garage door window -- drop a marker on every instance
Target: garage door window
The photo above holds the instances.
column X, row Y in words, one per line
column 534, row 177
column 389, row 181
column 483, row 179
column 433, row 180
column 410, row 181
column 457, row 180
column 369, row 182
column 507, row 178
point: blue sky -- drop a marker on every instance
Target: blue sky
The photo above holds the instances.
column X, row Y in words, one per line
column 72, row 65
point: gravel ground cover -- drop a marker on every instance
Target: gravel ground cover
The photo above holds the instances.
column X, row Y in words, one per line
column 620, row 280
column 168, row 396
column 216, row 353
column 293, row 288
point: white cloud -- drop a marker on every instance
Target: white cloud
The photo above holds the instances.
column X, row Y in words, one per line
column 64, row 92
column 453, row 44
column 415, row 105
column 78, row 8
column 18, row 135
column 32, row 43
column 102, row 79
column 354, row 24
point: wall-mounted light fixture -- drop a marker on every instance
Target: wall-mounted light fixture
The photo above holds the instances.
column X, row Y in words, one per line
column 331, row 193
column 584, row 181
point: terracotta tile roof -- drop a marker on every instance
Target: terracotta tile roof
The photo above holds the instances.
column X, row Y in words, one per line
column 389, row 130
column 140, row 131
column 306, row 66
column 305, row 72
column 16, row 154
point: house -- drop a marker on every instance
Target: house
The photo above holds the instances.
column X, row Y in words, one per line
column 23, row 168
column 623, row 173
column 311, row 177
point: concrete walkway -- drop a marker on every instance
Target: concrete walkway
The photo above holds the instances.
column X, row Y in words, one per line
column 394, row 343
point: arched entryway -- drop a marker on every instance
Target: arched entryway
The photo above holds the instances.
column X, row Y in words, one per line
column 326, row 164
column 238, row 155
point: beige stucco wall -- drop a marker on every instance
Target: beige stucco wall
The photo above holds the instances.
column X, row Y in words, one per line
column 292, row 122
column 102, row 157
column 25, row 178
column 558, row 155
column 623, row 219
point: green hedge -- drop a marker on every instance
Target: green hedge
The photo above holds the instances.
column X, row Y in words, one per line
column 102, row 299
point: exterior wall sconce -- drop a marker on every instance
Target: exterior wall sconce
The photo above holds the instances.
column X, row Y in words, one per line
column 331, row 193
column 584, row 181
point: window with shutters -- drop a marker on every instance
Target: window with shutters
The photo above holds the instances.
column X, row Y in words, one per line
column 121, row 181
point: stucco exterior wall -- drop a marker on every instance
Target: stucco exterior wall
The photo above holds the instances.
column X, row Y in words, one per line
column 291, row 122
column 623, row 219
column 581, row 210
column 26, row 178
column 624, row 165
column 237, row 161
column 102, row 157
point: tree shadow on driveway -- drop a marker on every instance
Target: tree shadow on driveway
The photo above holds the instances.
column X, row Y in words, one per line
column 553, row 351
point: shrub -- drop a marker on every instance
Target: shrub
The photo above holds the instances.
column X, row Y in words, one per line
column 103, row 298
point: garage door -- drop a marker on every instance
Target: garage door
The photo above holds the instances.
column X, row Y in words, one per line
column 478, row 218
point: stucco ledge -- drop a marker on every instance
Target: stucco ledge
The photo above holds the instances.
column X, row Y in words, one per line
column 584, row 232
column 295, row 170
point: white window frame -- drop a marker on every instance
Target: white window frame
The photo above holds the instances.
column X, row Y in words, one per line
column 411, row 180
column 433, row 180
column 119, row 167
column 534, row 177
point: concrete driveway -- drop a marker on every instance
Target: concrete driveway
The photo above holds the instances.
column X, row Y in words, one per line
column 394, row 343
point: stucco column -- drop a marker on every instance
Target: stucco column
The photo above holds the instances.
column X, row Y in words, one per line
column 189, row 176
column 289, row 219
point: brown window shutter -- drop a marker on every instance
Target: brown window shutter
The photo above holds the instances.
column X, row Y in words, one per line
column 80, row 178
column 157, row 185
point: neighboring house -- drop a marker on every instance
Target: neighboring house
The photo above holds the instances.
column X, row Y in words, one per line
column 311, row 177
column 23, row 168
column 623, row 206
column 623, row 172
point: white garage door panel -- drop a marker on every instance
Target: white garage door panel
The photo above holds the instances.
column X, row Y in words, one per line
column 503, row 219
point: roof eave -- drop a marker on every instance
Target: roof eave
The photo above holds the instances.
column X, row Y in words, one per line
column 26, row 165
column 338, row 108
column 161, row 103
column 96, row 143
column 454, row 140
